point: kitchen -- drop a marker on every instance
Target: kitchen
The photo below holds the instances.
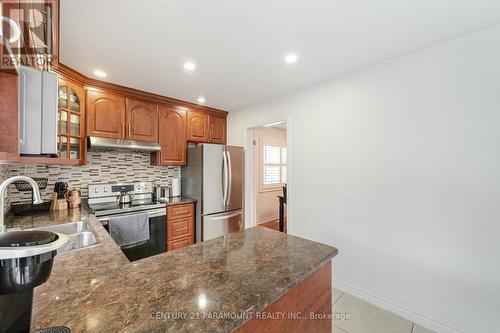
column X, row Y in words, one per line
column 116, row 191
column 199, row 167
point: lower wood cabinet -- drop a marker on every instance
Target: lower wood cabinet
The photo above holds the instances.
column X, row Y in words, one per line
column 180, row 211
column 180, row 226
column 177, row 244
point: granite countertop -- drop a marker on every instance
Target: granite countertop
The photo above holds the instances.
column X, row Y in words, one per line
column 50, row 218
column 213, row 286
column 179, row 201
column 70, row 215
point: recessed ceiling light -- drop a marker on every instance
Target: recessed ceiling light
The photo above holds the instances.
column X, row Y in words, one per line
column 291, row 58
column 189, row 66
column 201, row 99
column 100, row 73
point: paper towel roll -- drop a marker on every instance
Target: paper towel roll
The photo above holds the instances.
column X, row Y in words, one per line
column 176, row 187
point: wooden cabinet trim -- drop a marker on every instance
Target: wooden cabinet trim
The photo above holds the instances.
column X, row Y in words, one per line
column 97, row 85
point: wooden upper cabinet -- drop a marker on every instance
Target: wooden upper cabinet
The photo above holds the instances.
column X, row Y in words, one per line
column 197, row 126
column 172, row 137
column 105, row 114
column 71, row 142
column 217, row 127
column 9, row 115
column 142, row 120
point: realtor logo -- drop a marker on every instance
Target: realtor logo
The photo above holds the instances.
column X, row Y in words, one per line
column 26, row 33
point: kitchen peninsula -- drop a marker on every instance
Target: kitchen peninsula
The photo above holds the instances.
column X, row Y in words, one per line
column 235, row 282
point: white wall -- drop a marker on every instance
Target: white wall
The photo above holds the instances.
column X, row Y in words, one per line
column 266, row 200
column 406, row 179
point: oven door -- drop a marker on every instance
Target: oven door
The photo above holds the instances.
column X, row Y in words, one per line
column 157, row 242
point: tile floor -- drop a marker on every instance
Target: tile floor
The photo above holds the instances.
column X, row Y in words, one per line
column 356, row 316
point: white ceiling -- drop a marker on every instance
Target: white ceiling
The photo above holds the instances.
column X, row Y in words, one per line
column 239, row 46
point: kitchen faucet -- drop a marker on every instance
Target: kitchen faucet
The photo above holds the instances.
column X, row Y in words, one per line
column 3, row 188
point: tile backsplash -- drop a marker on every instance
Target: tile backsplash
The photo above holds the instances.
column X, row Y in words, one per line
column 4, row 174
column 103, row 166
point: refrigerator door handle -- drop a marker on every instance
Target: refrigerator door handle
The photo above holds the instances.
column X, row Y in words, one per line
column 225, row 179
column 216, row 225
column 229, row 177
column 223, row 217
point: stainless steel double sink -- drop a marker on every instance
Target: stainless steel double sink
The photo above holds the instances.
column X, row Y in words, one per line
column 80, row 234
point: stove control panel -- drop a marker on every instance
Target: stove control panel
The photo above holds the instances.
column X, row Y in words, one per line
column 114, row 189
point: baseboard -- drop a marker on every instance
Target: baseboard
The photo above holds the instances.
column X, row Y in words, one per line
column 268, row 220
column 401, row 311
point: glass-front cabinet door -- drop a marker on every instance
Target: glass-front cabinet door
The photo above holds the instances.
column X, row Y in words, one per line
column 71, row 136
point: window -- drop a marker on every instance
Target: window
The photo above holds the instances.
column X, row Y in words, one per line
column 273, row 166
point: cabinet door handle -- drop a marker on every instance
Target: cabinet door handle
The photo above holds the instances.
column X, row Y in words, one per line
column 129, row 130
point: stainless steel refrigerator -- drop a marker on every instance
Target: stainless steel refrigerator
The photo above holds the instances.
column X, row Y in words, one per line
column 214, row 177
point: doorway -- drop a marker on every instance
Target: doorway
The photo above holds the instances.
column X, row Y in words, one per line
column 270, row 175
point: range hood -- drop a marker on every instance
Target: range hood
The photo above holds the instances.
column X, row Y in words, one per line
column 95, row 142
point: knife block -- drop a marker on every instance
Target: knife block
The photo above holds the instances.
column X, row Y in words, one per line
column 58, row 204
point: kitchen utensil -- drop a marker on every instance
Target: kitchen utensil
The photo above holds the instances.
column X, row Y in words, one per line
column 58, row 204
column 165, row 192
column 157, row 192
column 124, row 197
column 74, row 197
column 60, row 188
